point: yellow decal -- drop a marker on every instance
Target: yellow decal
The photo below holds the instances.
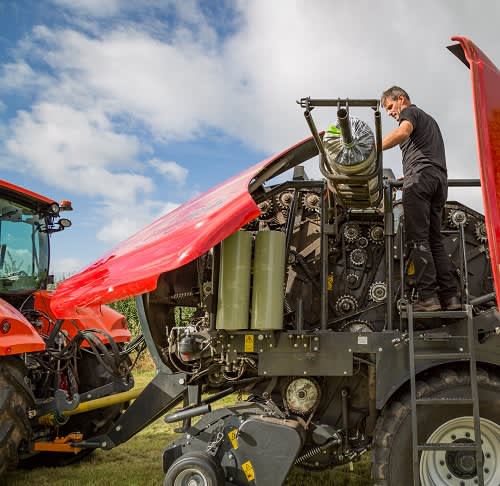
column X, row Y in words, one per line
column 248, row 470
column 233, row 434
column 411, row 269
column 330, row 280
column 248, row 343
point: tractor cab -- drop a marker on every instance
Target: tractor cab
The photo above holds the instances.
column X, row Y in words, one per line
column 27, row 220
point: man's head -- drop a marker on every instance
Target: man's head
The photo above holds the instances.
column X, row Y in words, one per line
column 394, row 100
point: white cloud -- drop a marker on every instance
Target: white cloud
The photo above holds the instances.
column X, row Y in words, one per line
column 120, row 221
column 76, row 149
column 179, row 81
column 20, row 76
column 98, row 8
column 65, row 266
column 171, row 170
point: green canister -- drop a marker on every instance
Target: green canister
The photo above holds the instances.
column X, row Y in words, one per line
column 268, row 281
column 234, row 282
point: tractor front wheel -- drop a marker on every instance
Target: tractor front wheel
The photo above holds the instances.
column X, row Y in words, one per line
column 15, row 400
column 392, row 443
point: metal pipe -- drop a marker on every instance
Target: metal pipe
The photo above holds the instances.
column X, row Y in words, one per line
column 483, row 299
column 389, row 253
column 345, row 415
column 215, row 287
column 315, row 134
column 344, row 123
column 372, row 397
column 324, row 261
column 300, row 314
column 189, row 413
column 104, row 402
column 369, row 103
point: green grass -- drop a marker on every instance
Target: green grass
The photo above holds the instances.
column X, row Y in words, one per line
column 138, row 463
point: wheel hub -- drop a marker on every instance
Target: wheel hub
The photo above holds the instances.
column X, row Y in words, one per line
column 438, row 468
column 190, row 477
column 462, row 464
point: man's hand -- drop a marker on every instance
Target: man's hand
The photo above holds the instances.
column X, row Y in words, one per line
column 398, row 136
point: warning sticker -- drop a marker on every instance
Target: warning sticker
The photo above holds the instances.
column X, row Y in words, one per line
column 249, row 343
column 248, row 470
column 233, row 434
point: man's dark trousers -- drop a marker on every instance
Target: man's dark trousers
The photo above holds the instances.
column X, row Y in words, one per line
column 424, row 195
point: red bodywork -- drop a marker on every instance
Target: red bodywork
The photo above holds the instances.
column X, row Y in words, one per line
column 486, row 93
column 179, row 237
column 17, row 334
column 25, row 193
column 172, row 241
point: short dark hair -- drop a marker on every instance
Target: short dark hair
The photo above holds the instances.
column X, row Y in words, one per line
column 393, row 92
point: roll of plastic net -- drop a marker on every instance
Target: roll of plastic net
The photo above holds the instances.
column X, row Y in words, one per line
column 355, row 157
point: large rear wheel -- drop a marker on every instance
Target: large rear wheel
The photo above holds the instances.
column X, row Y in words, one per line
column 392, row 444
column 15, row 400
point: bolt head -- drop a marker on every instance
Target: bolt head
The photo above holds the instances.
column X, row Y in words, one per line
column 315, row 348
column 380, row 350
column 345, row 372
column 118, row 428
column 182, row 381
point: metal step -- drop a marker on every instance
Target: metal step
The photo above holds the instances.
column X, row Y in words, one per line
column 440, row 356
column 458, row 314
column 455, row 446
column 444, row 401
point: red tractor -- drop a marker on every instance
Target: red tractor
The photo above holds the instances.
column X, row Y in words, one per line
column 47, row 364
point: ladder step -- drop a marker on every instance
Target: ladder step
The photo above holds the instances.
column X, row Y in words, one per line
column 459, row 314
column 437, row 355
column 444, row 401
column 455, row 446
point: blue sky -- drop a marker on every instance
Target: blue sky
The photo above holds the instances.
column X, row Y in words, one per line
column 131, row 108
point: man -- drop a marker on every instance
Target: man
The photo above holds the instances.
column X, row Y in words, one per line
column 425, row 189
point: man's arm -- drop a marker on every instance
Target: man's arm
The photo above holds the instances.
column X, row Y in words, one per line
column 397, row 136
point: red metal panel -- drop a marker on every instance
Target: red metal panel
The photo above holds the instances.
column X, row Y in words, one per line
column 177, row 238
column 17, row 335
column 25, row 192
column 104, row 318
column 486, row 94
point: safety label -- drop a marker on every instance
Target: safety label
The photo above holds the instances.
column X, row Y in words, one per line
column 233, row 434
column 248, row 470
column 249, row 346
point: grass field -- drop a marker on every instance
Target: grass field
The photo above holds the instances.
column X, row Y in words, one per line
column 138, row 463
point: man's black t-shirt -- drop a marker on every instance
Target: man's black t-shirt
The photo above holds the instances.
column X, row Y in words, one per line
column 425, row 146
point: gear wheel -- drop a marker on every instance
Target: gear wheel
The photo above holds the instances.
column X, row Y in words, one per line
column 352, row 231
column 480, row 232
column 352, row 280
column 285, row 198
column 362, row 242
column 378, row 291
column 376, row 234
column 456, row 218
column 311, row 201
column 302, row 395
column 358, row 257
column 346, row 304
column 358, row 325
column 266, row 208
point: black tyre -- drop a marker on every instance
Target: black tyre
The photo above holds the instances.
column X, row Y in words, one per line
column 392, row 444
column 15, row 400
column 92, row 374
column 194, row 469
